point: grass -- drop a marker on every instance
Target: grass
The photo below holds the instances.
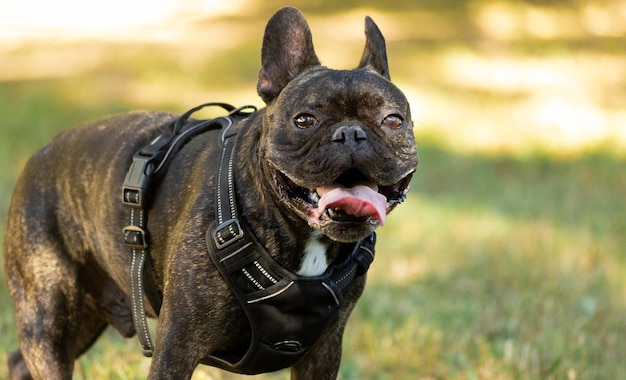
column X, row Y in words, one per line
column 506, row 261
column 524, row 281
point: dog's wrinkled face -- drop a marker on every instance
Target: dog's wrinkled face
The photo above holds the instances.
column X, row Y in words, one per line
column 339, row 143
column 342, row 150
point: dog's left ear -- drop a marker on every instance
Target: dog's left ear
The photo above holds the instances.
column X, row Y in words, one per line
column 375, row 54
column 287, row 52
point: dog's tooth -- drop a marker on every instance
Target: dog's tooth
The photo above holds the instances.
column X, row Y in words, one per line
column 314, row 197
column 333, row 212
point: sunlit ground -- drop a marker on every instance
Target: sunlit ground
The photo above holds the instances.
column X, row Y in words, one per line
column 508, row 260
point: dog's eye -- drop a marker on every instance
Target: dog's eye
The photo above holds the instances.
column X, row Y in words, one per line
column 304, row 120
column 392, row 121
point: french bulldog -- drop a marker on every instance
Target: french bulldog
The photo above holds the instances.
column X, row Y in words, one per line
column 315, row 172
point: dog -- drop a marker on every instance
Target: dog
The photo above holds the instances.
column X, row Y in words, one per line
column 310, row 177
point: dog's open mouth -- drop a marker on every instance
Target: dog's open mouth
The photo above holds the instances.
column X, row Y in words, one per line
column 351, row 197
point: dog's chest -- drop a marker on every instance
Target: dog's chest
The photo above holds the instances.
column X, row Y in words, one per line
column 314, row 261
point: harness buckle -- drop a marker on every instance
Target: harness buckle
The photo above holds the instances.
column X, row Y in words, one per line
column 135, row 237
column 136, row 181
column 227, row 233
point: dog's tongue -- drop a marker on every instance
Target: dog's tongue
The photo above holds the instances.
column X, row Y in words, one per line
column 358, row 201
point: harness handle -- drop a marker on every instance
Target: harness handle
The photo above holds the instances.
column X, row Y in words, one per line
column 178, row 138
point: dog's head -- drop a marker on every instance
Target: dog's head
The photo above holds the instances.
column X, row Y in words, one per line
column 339, row 143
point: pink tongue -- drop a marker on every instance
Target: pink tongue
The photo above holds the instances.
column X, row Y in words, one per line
column 359, row 201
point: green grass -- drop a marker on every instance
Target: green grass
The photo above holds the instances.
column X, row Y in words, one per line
column 507, row 260
column 516, row 272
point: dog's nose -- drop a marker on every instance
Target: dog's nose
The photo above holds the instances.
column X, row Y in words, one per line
column 349, row 133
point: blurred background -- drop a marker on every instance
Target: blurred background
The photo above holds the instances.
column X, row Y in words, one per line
column 508, row 259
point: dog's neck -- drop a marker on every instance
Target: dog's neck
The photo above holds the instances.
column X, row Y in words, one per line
column 286, row 237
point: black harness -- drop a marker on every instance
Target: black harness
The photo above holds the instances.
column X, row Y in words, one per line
column 287, row 313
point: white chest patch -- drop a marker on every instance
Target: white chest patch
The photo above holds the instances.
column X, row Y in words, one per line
column 314, row 262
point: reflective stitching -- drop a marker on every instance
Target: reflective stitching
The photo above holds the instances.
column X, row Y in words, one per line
column 137, row 302
column 269, row 276
column 220, row 238
column 345, row 276
column 141, row 304
column 231, row 187
column 132, row 283
column 252, row 280
column 220, row 217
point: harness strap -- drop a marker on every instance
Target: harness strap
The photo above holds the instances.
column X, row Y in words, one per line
column 141, row 175
column 287, row 313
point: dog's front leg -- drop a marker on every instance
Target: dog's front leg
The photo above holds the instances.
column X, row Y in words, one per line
column 174, row 355
column 323, row 361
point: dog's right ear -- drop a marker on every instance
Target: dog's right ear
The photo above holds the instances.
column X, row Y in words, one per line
column 287, row 52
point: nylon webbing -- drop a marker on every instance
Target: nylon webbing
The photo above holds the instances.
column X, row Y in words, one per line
column 264, row 288
column 147, row 162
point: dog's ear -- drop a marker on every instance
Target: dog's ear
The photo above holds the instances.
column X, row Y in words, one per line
column 375, row 54
column 287, row 52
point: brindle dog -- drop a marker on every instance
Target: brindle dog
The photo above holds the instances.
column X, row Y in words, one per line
column 315, row 171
